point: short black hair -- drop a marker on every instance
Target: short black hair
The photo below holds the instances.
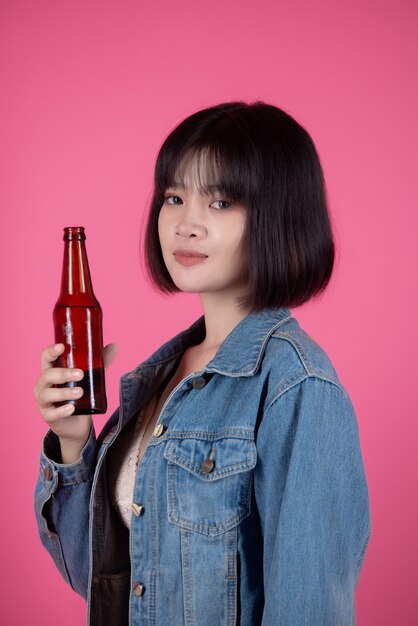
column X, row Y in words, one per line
column 259, row 156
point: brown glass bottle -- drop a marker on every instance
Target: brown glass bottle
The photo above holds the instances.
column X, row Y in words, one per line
column 78, row 324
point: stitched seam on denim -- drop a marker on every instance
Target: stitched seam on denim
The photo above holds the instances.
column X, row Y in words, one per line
column 307, row 364
column 206, row 529
column 231, row 592
column 284, row 386
column 188, row 584
column 74, row 483
column 290, row 383
column 363, row 552
column 171, row 478
column 153, row 598
column 59, row 559
column 235, row 468
column 216, row 474
column 267, row 339
column 230, row 433
column 297, row 347
column 55, row 541
column 212, row 370
column 211, row 530
column 154, row 544
column 184, row 577
column 231, row 553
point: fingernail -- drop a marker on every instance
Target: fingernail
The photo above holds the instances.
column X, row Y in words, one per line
column 77, row 374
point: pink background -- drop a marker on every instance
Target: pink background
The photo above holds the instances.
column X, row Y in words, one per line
column 89, row 90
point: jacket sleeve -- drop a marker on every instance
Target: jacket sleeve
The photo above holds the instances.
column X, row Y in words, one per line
column 312, row 498
column 62, row 502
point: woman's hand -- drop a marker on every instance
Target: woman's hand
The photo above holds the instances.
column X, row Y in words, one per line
column 72, row 430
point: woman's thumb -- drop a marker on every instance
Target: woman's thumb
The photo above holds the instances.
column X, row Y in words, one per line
column 109, row 353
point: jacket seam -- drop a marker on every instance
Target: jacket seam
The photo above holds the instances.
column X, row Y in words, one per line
column 245, row 434
column 74, row 483
column 363, row 551
column 307, row 365
column 295, row 380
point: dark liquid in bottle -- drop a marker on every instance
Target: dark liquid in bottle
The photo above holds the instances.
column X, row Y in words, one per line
column 79, row 328
column 92, row 380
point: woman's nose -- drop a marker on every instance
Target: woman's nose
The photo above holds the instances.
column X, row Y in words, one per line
column 191, row 225
column 190, row 230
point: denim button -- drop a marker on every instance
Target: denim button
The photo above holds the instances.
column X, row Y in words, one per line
column 138, row 589
column 138, row 509
column 159, row 430
column 209, row 463
column 199, row 383
column 207, row 466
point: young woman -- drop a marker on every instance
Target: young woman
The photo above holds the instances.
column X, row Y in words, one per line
column 228, row 488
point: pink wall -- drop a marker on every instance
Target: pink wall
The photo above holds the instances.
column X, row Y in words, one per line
column 88, row 92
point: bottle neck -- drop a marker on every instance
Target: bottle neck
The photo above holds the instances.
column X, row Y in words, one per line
column 76, row 285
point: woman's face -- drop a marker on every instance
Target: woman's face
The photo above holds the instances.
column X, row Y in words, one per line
column 202, row 240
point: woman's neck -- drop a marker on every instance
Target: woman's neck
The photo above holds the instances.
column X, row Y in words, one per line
column 221, row 316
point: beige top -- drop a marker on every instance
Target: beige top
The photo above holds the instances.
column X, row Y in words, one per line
column 125, row 456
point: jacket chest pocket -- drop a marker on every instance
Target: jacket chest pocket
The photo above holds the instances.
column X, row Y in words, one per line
column 209, row 483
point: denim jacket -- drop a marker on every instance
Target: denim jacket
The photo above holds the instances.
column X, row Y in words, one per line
column 250, row 502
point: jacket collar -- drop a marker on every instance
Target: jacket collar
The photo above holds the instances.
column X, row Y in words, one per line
column 241, row 352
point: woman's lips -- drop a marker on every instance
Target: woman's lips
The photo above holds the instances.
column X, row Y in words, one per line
column 189, row 257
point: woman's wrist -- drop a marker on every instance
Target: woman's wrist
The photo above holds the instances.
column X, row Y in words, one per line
column 71, row 449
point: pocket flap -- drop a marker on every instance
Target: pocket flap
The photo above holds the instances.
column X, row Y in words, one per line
column 229, row 455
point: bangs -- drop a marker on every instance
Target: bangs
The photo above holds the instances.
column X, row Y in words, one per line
column 210, row 169
column 202, row 170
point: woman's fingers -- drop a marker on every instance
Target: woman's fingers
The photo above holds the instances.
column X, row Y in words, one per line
column 51, row 395
column 50, row 354
column 53, row 399
column 59, row 376
column 47, row 391
column 54, row 413
column 55, row 402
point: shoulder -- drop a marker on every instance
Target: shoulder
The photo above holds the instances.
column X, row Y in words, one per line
column 291, row 357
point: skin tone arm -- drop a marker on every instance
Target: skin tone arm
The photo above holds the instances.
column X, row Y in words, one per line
column 72, row 430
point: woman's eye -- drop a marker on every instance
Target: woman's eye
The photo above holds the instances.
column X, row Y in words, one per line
column 173, row 200
column 220, row 204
